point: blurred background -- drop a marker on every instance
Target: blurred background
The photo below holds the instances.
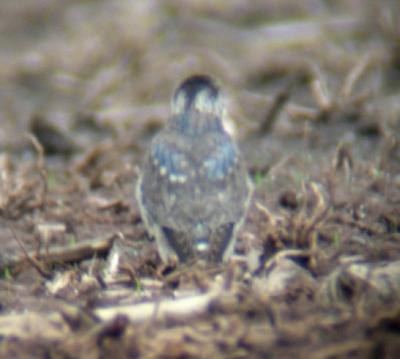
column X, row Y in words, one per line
column 118, row 61
column 96, row 69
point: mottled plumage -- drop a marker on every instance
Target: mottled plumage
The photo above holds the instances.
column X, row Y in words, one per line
column 194, row 189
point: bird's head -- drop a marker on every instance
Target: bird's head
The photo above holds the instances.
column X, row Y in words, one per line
column 197, row 93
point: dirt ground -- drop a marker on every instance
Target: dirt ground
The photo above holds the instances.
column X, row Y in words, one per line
column 313, row 90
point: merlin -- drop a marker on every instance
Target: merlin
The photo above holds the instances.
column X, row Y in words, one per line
column 194, row 189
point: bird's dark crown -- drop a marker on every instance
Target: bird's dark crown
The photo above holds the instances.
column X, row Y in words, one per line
column 197, row 93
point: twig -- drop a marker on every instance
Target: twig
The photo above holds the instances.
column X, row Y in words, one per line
column 60, row 254
column 181, row 308
column 40, row 165
column 319, row 90
column 279, row 101
column 30, row 258
column 302, row 112
column 354, row 75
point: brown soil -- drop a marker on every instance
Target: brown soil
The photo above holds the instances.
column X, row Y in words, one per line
column 314, row 94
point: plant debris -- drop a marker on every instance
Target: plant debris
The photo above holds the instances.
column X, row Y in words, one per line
column 313, row 96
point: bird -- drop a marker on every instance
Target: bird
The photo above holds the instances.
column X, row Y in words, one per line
column 194, row 190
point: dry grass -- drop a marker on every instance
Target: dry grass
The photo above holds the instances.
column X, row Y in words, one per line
column 312, row 89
